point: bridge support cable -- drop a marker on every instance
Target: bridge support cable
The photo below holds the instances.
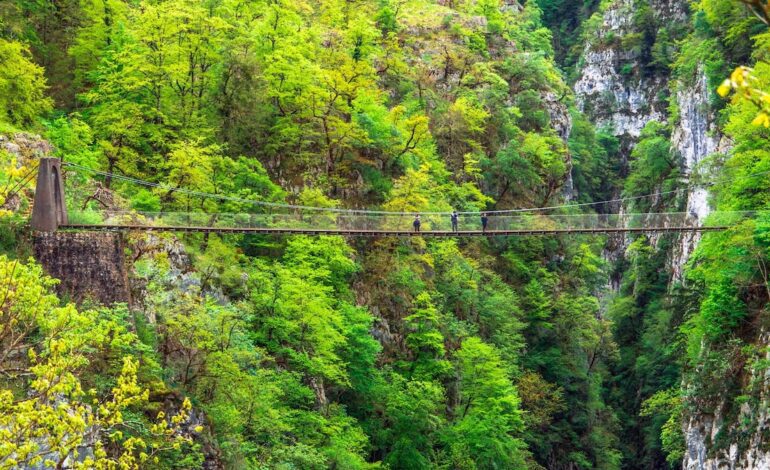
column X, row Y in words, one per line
column 294, row 207
column 19, row 185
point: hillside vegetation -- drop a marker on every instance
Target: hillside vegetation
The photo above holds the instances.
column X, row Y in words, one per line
column 299, row 352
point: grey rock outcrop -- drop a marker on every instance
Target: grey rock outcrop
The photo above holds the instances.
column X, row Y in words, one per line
column 746, row 445
column 695, row 137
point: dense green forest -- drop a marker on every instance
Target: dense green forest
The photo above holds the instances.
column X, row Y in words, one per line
column 304, row 352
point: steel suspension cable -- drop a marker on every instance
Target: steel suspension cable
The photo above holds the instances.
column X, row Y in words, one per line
column 20, row 184
column 381, row 212
column 221, row 196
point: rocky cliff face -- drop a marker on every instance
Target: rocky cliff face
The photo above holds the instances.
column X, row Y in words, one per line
column 561, row 121
column 743, row 440
column 695, row 137
column 713, row 441
column 616, row 92
column 613, row 93
column 613, row 89
column 25, row 147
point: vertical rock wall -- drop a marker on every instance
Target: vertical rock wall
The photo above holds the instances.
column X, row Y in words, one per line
column 746, row 445
column 695, row 137
column 614, row 95
column 612, row 89
column 90, row 265
column 626, row 102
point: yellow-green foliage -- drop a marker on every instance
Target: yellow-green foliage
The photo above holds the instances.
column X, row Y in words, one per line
column 22, row 86
column 322, row 352
column 46, row 416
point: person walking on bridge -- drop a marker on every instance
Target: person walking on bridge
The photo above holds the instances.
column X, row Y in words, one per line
column 454, row 219
column 484, row 221
column 416, row 223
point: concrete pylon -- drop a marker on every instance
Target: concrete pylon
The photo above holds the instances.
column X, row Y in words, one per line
column 49, row 210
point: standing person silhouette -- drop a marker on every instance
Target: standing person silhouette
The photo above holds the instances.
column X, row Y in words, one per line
column 454, row 219
column 484, row 221
column 416, row 223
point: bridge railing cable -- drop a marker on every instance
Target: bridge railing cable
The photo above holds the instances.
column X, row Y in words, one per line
column 300, row 220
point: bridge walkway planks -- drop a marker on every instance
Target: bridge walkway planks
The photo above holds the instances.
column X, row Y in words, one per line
column 384, row 233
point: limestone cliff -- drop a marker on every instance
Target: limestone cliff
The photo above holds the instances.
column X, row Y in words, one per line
column 614, row 90
column 619, row 92
column 732, row 435
column 695, row 137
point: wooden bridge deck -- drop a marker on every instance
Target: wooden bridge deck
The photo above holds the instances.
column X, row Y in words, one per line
column 385, row 233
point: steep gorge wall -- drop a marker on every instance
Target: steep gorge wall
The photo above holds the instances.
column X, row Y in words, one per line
column 695, row 137
column 619, row 95
column 731, row 434
column 618, row 92
column 612, row 92
column 613, row 89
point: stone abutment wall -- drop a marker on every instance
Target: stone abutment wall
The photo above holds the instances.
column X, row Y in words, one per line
column 90, row 265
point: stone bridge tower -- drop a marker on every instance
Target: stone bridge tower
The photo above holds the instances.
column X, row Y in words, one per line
column 49, row 209
column 90, row 265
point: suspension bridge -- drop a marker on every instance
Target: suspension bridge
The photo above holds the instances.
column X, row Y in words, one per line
column 50, row 214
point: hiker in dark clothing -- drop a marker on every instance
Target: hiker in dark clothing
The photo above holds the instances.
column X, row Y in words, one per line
column 454, row 220
column 416, row 223
column 484, row 221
